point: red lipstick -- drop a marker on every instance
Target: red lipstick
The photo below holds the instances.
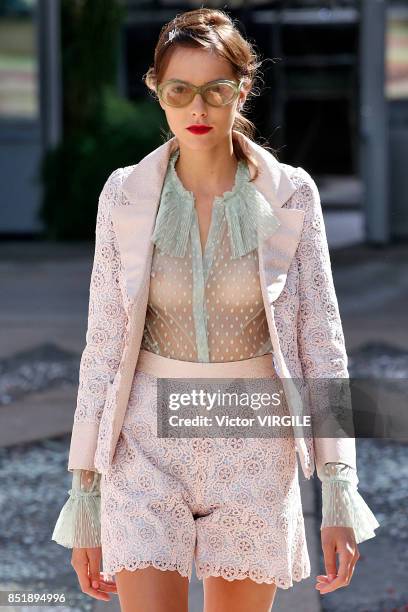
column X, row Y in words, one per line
column 199, row 129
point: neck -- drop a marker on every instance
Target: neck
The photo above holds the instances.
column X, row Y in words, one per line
column 209, row 171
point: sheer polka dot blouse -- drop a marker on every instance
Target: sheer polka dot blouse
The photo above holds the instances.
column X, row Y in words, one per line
column 207, row 306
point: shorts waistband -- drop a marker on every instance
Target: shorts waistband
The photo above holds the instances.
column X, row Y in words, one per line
column 164, row 367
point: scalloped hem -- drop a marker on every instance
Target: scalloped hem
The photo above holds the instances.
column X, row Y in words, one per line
column 230, row 573
column 163, row 566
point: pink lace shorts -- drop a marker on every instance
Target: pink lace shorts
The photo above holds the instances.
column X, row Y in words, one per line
column 232, row 505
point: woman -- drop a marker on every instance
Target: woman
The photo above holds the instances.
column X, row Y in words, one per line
column 231, row 278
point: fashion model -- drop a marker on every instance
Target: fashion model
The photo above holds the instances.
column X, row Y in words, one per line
column 211, row 261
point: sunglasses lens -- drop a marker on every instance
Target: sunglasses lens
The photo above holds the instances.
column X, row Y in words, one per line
column 219, row 94
column 181, row 94
column 177, row 94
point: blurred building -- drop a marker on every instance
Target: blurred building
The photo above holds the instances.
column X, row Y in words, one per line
column 30, row 107
column 334, row 100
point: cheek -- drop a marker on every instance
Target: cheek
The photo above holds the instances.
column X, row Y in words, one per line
column 227, row 115
column 173, row 117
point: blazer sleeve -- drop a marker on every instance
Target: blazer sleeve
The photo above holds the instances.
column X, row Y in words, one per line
column 320, row 335
column 107, row 321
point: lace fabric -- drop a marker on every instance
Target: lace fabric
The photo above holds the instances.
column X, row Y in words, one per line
column 202, row 307
column 107, row 312
column 230, row 506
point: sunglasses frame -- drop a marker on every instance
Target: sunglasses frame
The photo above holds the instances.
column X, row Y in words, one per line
column 200, row 89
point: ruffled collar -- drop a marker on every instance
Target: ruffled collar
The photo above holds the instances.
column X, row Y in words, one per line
column 249, row 216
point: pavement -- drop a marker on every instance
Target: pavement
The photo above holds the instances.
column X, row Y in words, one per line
column 44, row 303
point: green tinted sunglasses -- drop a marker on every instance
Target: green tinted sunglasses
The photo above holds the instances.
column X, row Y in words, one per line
column 177, row 93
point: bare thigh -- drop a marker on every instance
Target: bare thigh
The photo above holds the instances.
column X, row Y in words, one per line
column 152, row 590
column 222, row 595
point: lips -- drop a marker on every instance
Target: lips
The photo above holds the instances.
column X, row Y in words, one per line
column 199, row 129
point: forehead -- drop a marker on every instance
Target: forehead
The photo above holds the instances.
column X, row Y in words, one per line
column 197, row 66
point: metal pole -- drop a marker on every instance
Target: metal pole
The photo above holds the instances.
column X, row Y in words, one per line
column 374, row 149
column 49, row 43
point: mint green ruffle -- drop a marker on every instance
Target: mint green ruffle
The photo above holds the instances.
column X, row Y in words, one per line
column 249, row 216
column 342, row 504
column 78, row 524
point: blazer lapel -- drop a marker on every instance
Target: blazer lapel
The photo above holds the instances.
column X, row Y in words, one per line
column 277, row 251
column 134, row 221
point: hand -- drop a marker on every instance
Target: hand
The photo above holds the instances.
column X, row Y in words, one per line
column 86, row 562
column 342, row 541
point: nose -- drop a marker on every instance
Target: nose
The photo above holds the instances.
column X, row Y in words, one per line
column 198, row 106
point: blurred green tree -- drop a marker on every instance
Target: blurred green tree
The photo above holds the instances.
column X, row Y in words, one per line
column 101, row 130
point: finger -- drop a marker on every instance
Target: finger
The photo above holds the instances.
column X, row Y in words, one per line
column 81, row 569
column 85, row 582
column 104, row 589
column 326, row 579
column 329, row 554
column 341, row 580
column 108, row 586
column 353, row 564
column 352, row 547
column 95, row 557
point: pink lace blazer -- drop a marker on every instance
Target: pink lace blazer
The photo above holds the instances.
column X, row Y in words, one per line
column 209, row 306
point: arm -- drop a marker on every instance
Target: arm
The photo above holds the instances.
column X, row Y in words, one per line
column 78, row 524
column 323, row 357
column 320, row 335
column 107, row 320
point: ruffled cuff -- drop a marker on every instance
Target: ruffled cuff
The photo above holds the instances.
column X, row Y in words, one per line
column 342, row 504
column 78, row 524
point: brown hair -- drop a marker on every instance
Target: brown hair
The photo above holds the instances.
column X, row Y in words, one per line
column 211, row 29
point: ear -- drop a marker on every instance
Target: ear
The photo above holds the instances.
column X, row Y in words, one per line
column 244, row 93
column 242, row 97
